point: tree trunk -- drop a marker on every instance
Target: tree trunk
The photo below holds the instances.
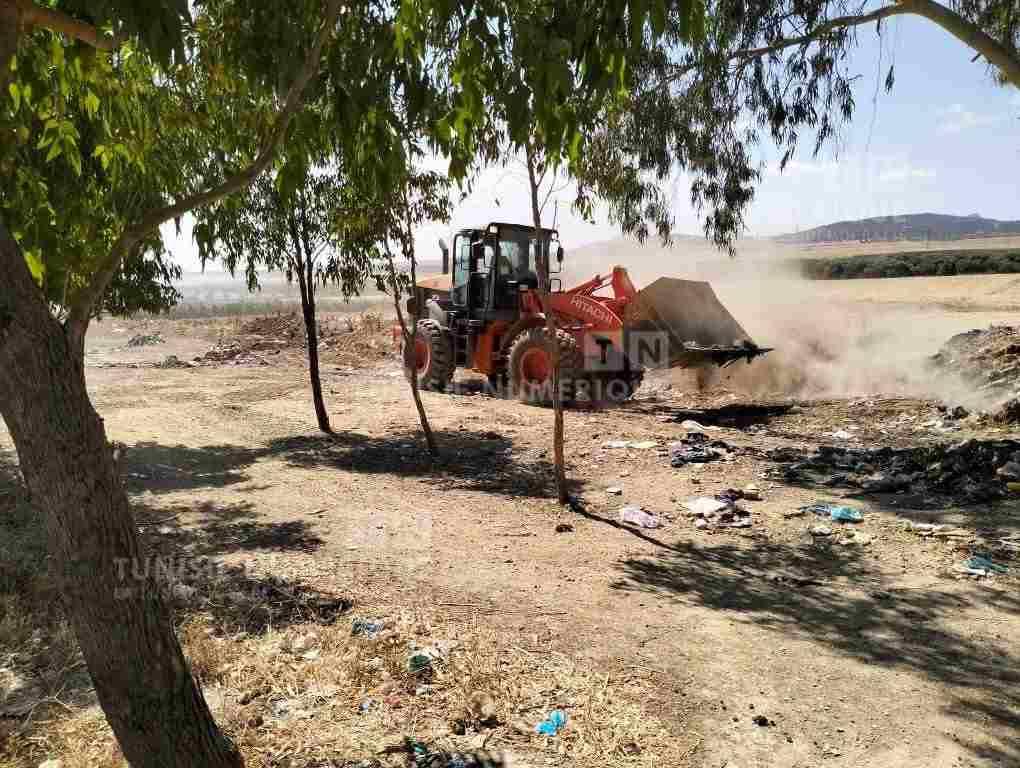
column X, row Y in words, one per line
column 306, row 282
column 411, row 369
column 542, row 258
column 109, row 590
column 10, row 31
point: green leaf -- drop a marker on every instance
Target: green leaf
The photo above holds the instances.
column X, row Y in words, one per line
column 35, row 266
column 15, row 92
column 91, row 104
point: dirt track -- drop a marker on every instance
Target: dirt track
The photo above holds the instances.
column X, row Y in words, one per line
column 876, row 655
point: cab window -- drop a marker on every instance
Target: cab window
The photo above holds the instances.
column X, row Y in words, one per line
column 461, row 262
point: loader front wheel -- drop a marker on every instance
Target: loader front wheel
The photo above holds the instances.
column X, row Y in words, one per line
column 531, row 365
column 433, row 356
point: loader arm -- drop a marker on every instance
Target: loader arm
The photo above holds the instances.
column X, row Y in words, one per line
column 684, row 318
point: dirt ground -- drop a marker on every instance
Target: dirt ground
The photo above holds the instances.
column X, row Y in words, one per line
column 879, row 654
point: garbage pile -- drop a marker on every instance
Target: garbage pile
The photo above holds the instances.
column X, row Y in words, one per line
column 232, row 353
column 288, row 326
column 970, row 471
column 720, row 511
column 697, row 448
column 146, row 340
column 352, row 340
column 989, row 360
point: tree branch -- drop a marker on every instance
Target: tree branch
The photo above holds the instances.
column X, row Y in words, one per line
column 33, row 15
column 841, row 22
column 971, row 35
column 90, row 295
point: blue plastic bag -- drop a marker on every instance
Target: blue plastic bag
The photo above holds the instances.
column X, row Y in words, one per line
column 981, row 563
column 839, row 514
column 553, row 723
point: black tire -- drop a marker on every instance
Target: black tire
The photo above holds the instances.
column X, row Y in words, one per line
column 526, row 374
column 436, row 371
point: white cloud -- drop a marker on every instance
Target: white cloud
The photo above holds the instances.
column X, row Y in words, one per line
column 906, row 172
column 955, row 119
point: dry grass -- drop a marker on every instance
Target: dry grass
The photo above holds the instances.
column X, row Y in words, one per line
column 311, row 693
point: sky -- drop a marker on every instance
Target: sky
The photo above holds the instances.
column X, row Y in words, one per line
column 946, row 139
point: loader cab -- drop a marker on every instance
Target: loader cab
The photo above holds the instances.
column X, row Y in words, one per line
column 490, row 267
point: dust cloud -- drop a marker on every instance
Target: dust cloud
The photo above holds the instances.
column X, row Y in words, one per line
column 831, row 338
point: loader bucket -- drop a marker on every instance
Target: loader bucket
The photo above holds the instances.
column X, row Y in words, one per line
column 697, row 328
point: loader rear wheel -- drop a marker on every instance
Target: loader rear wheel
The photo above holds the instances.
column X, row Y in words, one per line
column 433, row 356
column 531, row 366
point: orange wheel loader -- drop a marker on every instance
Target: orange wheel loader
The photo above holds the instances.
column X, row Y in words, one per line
column 484, row 314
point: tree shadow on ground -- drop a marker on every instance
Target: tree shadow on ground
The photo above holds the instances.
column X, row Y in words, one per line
column 792, row 591
column 159, row 468
column 222, row 529
column 468, row 460
column 483, row 461
column 732, row 415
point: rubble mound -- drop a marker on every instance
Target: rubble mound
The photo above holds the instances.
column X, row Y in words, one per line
column 232, row 353
column 988, row 360
column 146, row 339
column 353, row 341
column 970, row 471
column 289, row 326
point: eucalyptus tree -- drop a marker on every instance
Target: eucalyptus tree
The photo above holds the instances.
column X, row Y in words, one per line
column 387, row 225
column 764, row 71
column 259, row 229
column 112, row 127
column 122, row 115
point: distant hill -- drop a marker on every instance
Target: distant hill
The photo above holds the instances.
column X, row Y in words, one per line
column 913, row 226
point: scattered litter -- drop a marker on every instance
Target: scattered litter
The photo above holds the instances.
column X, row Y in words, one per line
column 821, row 530
column 762, row 721
column 981, row 565
column 146, row 340
column 860, row 538
column 564, row 528
column 720, row 512
column 419, row 662
column 703, row 505
column 966, row 471
column 925, row 529
column 172, row 361
column 845, row 515
column 1009, row 471
column 641, row 445
column 422, row 756
column 637, row 516
column 367, row 628
column 644, row 445
column 553, row 723
column 616, row 444
column 303, row 644
column 841, row 434
column 422, row 661
column 614, row 491
column 692, row 426
column 835, row 512
column 696, row 448
column 752, row 493
column 368, row 705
